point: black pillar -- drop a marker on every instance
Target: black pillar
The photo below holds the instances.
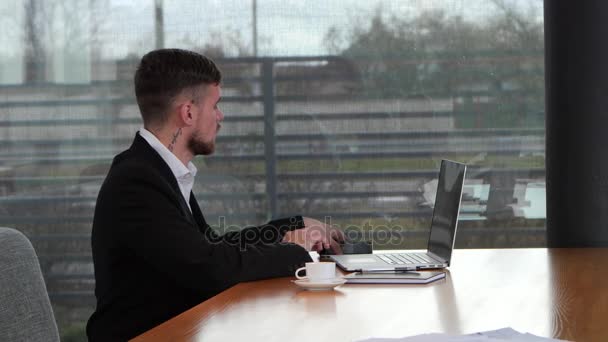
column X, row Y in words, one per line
column 270, row 137
column 576, row 62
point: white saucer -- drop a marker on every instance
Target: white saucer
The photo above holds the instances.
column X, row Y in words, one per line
column 319, row 286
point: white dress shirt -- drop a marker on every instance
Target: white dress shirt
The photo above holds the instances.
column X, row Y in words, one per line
column 184, row 175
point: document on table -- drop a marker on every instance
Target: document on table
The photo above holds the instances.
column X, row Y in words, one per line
column 314, row 256
column 505, row 334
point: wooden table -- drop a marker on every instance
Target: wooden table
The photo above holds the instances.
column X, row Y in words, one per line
column 559, row 293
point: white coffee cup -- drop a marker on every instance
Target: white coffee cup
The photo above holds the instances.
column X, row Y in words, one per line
column 318, row 271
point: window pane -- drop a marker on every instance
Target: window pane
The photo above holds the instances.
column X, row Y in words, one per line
column 338, row 110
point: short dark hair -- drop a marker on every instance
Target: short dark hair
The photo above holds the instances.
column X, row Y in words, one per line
column 163, row 74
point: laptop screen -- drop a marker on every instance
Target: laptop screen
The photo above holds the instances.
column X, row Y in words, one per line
column 447, row 205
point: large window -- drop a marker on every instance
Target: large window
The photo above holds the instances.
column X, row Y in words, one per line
column 334, row 109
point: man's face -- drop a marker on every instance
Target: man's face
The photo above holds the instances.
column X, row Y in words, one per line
column 207, row 120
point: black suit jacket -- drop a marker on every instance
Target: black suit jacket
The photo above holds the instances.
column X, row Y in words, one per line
column 154, row 258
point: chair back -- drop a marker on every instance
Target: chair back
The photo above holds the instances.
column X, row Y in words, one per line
column 25, row 308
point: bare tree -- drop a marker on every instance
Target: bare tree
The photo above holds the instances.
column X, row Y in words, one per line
column 56, row 25
column 35, row 65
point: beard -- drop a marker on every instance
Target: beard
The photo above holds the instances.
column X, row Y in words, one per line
column 199, row 146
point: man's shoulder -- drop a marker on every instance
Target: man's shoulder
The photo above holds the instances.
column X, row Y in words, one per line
column 129, row 163
column 138, row 166
column 128, row 166
column 140, row 157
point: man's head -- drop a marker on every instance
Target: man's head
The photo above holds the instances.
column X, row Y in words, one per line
column 179, row 90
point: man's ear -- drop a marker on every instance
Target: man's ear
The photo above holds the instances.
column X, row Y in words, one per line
column 185, row 114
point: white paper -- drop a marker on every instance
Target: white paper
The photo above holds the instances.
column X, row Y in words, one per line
column 314, row 256
column 500, row 335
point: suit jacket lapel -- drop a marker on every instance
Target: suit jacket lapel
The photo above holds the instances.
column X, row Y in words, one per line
column 141, row 147
column 185, row 208
column 198, row 214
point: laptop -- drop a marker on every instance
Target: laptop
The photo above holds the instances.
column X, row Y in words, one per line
column 441, row 237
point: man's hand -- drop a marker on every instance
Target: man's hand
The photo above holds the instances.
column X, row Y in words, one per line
column 316, row 236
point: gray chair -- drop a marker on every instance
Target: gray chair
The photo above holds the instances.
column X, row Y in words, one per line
column 25, row 309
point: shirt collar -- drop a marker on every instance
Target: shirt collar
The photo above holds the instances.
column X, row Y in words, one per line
column 179, row 170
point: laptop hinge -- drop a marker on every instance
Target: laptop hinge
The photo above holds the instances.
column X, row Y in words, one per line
column 436, row 257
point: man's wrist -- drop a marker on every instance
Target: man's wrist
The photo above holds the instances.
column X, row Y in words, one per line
column 287, row 224
column 291, row 223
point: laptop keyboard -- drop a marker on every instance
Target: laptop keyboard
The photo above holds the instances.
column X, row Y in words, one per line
column 406, row 259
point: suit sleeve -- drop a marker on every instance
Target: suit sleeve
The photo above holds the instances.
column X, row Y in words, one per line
column 269, row 233
column 147, row 220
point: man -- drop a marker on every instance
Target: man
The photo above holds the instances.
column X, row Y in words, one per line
column 153, row 252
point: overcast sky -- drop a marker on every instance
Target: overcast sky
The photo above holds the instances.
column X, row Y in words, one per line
column 285, row 27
